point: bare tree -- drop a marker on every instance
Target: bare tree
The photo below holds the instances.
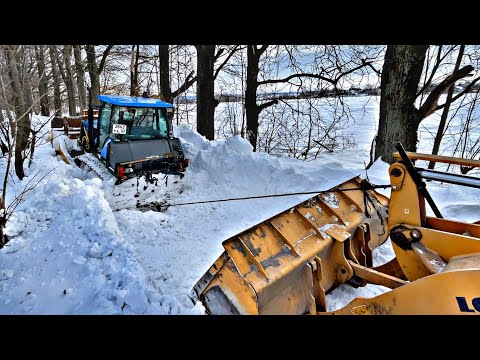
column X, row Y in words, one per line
column 57, row 100
column 4, row 214
column 231, row 84
column 134, row 87
column 65, row 69
column 6, row 101
column 331, row 65
column 206, row 102
column 446, row 109
column 6, row 210
column 164, row 61
column 43, row 82
column 206, row 75
column 165, row 84
column 94, row 69
column 399, row 117
column 18, row 63
column 467, row 141
column 21, row 110
column 28, row 76
column 251, row 107
column 80, row 72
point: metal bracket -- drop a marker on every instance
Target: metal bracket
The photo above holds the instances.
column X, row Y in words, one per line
column 319, row 289
column 397, row 175
column 344, row 269
column 403, row 237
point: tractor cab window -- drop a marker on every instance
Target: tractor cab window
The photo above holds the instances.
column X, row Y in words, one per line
column 104, row 119
column 115, row 120
column 162, row 122
column 139, row 123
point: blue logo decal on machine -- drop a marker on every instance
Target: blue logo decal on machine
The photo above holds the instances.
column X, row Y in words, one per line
column 464, row 306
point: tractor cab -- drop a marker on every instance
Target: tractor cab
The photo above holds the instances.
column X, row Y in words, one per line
column 133, row 136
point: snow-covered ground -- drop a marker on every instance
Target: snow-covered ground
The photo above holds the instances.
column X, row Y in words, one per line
column 79, row 245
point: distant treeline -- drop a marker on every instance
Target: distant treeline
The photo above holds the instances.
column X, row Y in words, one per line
column 354, row 91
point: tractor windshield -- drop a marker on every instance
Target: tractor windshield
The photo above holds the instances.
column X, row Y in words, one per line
column 141, row 123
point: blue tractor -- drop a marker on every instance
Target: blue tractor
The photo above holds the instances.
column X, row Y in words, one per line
column 132, row 137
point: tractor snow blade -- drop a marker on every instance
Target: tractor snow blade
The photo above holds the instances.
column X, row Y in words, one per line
column 286, row 264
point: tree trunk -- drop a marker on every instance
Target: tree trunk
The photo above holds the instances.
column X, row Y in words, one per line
column 80, row 70
column 57, row 100
column 94, row 73
column 134, row 90
column 132, row 71
column 23, row 121
column 26, row 67
column 42, row 84
column 446, row 109
column 164, row 60
column 3, row 223
column 32, row 147
column 17, row 86
column 251, row 108
column 67, row 76
column 12, row 124
column 3, row 126
column 3, row 207
column 399, row 118
column 165, row 89
column 206, row 102
column 25, row 80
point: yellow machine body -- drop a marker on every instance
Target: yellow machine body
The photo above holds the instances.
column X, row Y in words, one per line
column 288, row 263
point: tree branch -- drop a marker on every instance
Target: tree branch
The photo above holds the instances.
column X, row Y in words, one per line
column 460, row 94
column 189, row 81
column 318, row 76
column 261, row 50
column 438, row 61
column 79, row 62
column 263, row 106
column 378, row 72
column 315, row 76
column 19, row 199
column 220, row 67
column 364, row 63
column 217, row 55
column 60, row 64
column 104, row 57
column 431, row 104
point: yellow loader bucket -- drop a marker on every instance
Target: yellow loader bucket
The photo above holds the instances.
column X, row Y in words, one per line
column 286, row 264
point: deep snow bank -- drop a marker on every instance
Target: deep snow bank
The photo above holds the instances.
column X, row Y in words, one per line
column 70, row 253
column 66, row 254
column 180, row 244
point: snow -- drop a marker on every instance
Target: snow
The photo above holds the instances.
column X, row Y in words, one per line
column 239, row 144
column 62, row 143
column 79, row 246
